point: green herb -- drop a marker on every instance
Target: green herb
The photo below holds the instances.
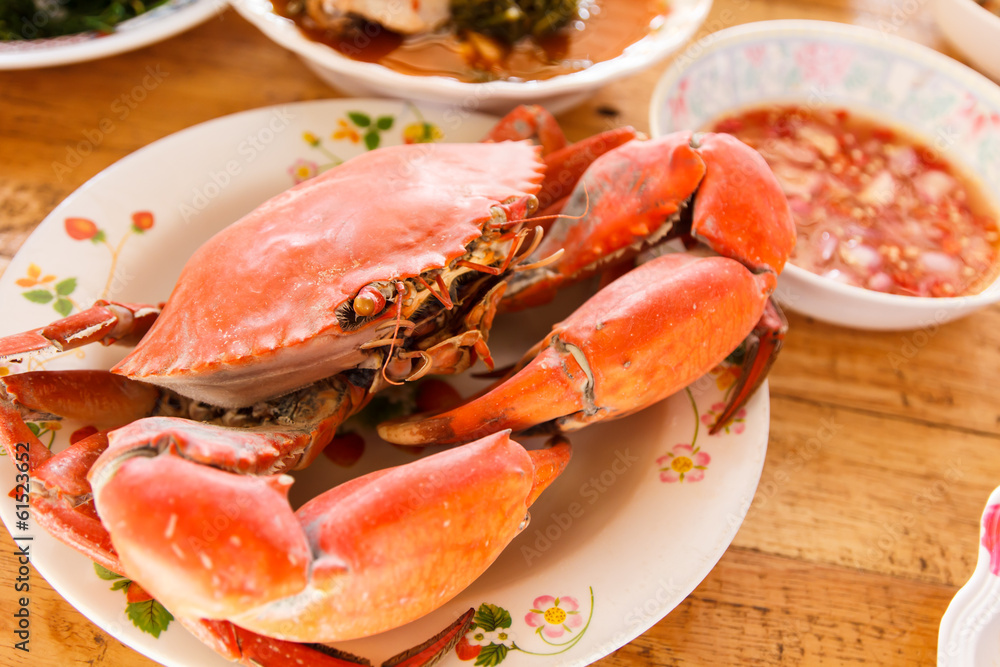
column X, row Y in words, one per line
column 510, row 20
column 38, row 19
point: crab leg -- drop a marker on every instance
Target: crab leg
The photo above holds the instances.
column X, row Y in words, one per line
column 93, row 397
column 644, row 337
column 210, row 543
column 564, row 164
column 61, row 496
column 248, row 648
column 761, row 348
column 529, row 122
column 106, row 322
column 565, row 167
column 254, row 650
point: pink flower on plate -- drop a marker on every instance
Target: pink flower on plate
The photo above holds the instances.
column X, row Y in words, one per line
column 822, row 64
column 755, row 54
column 991, row 536
column 303, row 170
column 726, row 375
column 683, row 463
column 977, row 115
column 737, row 425
column 553, row 617
column 678, row 103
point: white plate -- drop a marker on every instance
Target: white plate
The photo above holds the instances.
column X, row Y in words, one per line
column 970, row 628
column 611, row 530
column 153, row 26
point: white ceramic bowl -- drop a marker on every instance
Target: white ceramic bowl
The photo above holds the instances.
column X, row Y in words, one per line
column 929, row 94
column 556, row 94
column 155, row 25
column 973, row 30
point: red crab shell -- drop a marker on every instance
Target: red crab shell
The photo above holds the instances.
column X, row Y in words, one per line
column 253, row 314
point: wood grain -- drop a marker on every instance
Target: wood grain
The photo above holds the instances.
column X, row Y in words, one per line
column 884, row 447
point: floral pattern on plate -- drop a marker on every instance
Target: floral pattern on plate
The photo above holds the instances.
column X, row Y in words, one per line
column 557, row 622
column 359, row 127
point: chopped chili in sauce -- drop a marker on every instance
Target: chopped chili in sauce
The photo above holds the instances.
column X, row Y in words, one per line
column 874, row 207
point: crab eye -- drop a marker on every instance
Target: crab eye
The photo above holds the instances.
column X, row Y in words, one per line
column 368, row 302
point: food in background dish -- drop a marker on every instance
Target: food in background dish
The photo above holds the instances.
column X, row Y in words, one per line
column 37, row 19
column 478, row 40
column 991, row 5
column 874, row 207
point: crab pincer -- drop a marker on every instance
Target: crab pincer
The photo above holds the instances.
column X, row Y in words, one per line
column 401, row 540
column 661, row 325
column 642, row 338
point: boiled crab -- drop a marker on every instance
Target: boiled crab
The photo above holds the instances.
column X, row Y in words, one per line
column 390, row 267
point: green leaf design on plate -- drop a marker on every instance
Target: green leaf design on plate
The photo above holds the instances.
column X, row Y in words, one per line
column 34, row 428
column 149, row 616
column 359, row 119
column 372, row 139
column 63, row 306
column 66, row 287
column 384, row 122
column 489, row 617
column 491, row 655
column 105, row 573
column 38, row 296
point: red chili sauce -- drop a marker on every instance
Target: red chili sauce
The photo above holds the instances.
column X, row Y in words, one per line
column 874, row 207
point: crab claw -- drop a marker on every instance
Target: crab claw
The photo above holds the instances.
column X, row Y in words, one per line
column 760, row 349
column 738, row 210
column 107, row 322
column 642, row 338
column 707, row 188
column 217, row 545
column 93, row 397
column 529, row 122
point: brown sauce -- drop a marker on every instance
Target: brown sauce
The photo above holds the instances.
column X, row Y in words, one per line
column 610, row 26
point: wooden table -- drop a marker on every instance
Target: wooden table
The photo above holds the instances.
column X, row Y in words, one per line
column 852, row 548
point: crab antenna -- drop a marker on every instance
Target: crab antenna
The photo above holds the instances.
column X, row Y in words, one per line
column 400, row 292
